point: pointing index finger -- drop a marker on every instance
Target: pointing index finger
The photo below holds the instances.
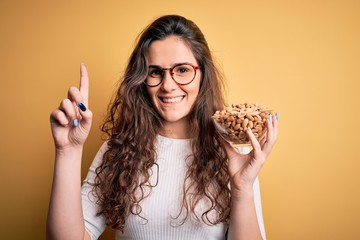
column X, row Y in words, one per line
column 84, row 84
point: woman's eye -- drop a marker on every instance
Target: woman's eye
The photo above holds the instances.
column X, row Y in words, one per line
column 182, row 70
column 156, row 72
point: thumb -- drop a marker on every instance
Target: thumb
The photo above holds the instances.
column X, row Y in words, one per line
column 86, row 117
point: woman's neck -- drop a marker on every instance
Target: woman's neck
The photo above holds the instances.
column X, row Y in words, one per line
column 177, row 130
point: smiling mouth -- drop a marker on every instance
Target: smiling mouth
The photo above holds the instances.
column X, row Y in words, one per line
column 172, row 100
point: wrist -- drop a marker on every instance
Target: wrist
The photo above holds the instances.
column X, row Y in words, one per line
column 68, row 151
column 242, row 195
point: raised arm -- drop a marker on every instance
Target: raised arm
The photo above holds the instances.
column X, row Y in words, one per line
column 70, row 125
column 243, row 170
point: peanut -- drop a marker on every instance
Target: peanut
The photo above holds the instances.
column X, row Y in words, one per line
column 234, row 121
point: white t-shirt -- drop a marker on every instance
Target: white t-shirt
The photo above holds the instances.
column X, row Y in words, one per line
column 162, row 206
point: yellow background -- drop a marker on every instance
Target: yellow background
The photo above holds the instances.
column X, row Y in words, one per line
column 301, row 58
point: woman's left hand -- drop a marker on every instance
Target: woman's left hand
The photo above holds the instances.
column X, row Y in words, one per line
column 243, row 169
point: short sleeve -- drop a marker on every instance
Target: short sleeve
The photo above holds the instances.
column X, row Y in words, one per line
column 95, row 225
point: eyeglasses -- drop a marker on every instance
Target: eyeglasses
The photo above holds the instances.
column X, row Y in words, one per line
column 182, row 74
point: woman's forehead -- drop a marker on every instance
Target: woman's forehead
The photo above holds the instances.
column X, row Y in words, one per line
column 170, row 51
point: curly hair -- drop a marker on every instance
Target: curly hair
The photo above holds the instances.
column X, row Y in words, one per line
column 132, row 122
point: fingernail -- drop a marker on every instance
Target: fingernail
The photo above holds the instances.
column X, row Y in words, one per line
column 249, row 129
column 276, row 116
column 82, row 106
column 75, row 122
column 270, row 118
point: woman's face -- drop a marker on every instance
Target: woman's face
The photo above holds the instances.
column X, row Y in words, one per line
column 172, row 101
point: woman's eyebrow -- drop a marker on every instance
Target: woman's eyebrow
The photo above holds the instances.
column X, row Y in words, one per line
column 172, row 65
column 155, row 66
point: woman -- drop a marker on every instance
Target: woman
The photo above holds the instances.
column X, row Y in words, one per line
column 164, row 172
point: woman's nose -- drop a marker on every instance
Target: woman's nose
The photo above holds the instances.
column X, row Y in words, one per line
column 168, row 83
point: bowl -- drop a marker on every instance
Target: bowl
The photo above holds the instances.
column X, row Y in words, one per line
column 233, row 121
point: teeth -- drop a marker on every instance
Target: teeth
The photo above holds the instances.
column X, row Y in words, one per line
column 172, row 100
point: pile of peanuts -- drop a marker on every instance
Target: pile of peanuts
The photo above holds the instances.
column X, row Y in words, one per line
column 233, row 121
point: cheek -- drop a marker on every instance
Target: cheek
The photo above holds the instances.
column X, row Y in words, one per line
column 151, row 96
column 194, row 91
column 199, row 82
column 151, row 93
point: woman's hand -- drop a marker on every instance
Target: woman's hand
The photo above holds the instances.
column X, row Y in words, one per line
column 71, row 121
column 244, row 169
